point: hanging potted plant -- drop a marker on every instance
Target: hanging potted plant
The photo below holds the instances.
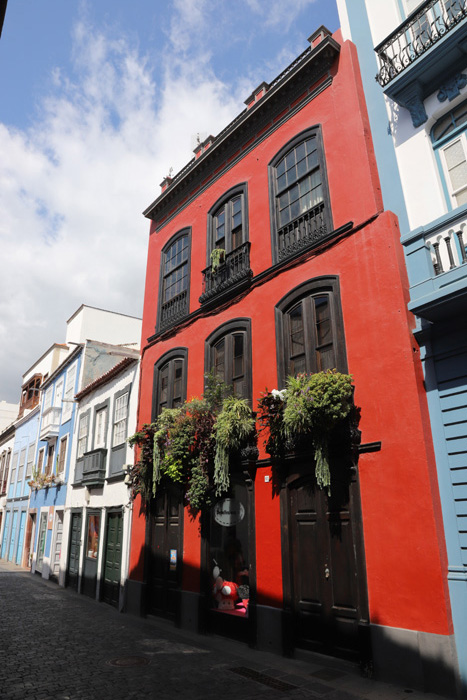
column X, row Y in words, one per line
column 192, row 446
column 311, row 406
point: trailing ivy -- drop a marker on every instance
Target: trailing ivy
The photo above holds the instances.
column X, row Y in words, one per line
column 191, row 445
column 311, row 405
column 234, row 425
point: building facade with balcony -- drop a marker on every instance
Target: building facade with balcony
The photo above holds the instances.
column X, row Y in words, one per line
column 82, row 360
column 270, row 255
column 418, row 114
column 98, row 517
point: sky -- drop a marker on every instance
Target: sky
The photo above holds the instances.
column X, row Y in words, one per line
column 98, row 101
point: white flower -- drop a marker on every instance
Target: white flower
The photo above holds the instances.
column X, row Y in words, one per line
column 279, row 394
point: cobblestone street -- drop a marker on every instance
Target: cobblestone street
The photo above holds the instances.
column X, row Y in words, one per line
column 57, row 644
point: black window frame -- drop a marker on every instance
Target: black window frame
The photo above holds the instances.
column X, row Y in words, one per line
column 227, row 331
column 314, row 288
column 240, row 190
column 314, row 132
column 168, row 358
column 183, row 308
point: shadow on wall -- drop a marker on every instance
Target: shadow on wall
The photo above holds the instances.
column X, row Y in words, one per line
column 415, row 660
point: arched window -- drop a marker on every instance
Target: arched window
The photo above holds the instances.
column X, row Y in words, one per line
column 228, row 249
column 170, row 375
column 300, row 210
column 309, row 328
column 174, row 292
column 228, row 354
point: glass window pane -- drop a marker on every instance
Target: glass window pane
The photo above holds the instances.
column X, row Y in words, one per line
column 93, row 536
column 229, row 550
column 325, row 358
column 238, row 355
column 219, row 360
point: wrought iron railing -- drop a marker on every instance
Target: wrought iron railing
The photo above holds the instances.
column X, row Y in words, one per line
column 174, row 310
column 94, row 467
column 233, row 270
column 447, row 250
column 421, row 30
column 304, row 231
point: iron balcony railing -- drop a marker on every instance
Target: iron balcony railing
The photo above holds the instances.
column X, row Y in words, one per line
column 235, row 268
column 303, row 232
column 94, row 467
column 422, row 29
column 174, row 310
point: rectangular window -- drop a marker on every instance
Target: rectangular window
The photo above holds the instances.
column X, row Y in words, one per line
column 69, row 393
column 47, row 398
column 62, row 455
column 14, row 466
column 120, row 419
column 58, row 394
column 50, row 459
column 83, row 435
column 30, row 461
column 454, row 158
column 40, row 460
column 92, row 545
column 101, row 427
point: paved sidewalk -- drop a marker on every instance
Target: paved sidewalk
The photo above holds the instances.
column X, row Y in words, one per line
column 57, row 644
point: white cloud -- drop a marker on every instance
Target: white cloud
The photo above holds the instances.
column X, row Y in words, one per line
column 72, row 187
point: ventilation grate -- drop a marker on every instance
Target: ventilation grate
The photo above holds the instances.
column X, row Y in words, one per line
column 275, row 683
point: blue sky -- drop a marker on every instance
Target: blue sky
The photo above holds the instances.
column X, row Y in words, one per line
column 98, row 101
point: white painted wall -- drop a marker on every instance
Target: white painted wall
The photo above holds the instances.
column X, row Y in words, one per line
column 89, row 323
column 419, row 172
column 112, row 494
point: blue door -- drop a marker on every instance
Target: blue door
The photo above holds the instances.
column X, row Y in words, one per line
column 14, row 523
column 5, row 533
column 19, row 549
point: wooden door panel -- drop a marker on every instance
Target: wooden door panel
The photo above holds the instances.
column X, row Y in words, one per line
column 323, row 570
column 164, row 579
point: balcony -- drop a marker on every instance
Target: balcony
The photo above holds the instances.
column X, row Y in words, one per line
column 305, row 232
column 437, row 264
column 231, row 276
column 174, row 310
column 50, row 423
column 424, row 54
column 94, row 468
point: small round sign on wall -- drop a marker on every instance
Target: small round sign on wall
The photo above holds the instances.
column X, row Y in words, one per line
column 229, row 512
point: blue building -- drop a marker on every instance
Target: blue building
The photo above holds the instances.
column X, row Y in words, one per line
column 418, row 114
column 15, row 516
column 52, row 466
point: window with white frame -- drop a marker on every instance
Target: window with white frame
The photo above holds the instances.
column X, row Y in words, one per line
column 58, row 394
column 120, row 419
column 69, row 393
column 47, row 398
column 83, row 435
column 101, row 427
column 449, row 137
column 30, row 461
column 14, row 466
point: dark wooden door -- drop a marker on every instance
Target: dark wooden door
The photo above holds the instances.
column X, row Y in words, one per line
column 113, row 559
column 165, row 554
column 325, row 578
column 75, row 551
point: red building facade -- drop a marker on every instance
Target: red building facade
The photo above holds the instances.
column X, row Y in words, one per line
column 310, row 276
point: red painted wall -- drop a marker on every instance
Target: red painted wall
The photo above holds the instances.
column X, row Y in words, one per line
column 404, row 547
